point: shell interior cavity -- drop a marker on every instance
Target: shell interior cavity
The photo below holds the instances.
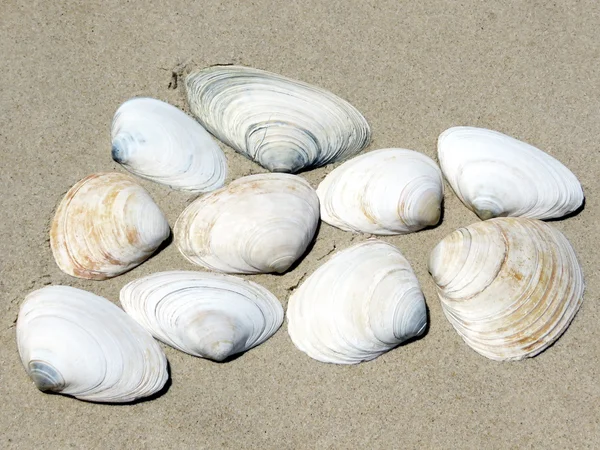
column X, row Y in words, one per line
column 76, row 343
column 388, row 191
column 204, row 314
column 283, row 124
column 362, row 302
column 106, row 225
column 257, row 224
column 496, row 175
column 161, row 143
column 509, row 286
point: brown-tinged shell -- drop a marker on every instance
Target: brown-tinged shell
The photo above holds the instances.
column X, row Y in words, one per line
column 106, row 225
column 509, row 286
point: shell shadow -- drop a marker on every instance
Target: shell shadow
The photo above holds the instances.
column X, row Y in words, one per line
column 304, row 255
column 408, row 341
column 157, row 394
column 230, row 358
column 441, row 219
column 154, row 396
column 164, row 244
column 568, row 216
column 423, row 334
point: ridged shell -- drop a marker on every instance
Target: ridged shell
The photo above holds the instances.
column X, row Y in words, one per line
column 362, row 302
column 384, row 192
column 257, row 224
column 283, row 124
column 161, row 143
column 496, row 175
column 104, row 226
column 76, row 343
column 509, row 286
column 208, row 315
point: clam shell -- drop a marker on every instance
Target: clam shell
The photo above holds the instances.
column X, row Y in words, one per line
column 362, row 302
column 509, row 286
column 106, row 225
column 384, row 192
column 496, row 175
column 208, row 315
column 283, row 124
column 257, row 224
column 161, row 143
column 76, row 343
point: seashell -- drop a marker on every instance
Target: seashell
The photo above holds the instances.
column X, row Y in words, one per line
column 389, row 191
column 76, row 343
column 104, row 226
column 283, row 124
column 257, row 224
column 362, row 302
column 509, row 286
column 208, row 315
column 161, row 143
column 496, row 175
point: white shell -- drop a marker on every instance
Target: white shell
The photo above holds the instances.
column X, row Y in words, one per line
column 496, row 175
column 362, row 302
column 208, row 315
column 509, row 286
column 106, row 225
column 161, row 143
column 283, row 124
column 76, row 343
column 257, row 224
column 384, row 192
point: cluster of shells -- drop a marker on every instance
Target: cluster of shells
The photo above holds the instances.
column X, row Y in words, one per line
column 509, row 284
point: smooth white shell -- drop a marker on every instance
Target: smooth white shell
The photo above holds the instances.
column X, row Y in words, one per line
column 157, row 141
column 496, row 175
column 208, row 315
column 76, row 343
column 362, row 302
column 384, row 192
column 509, row 286
column 257, row 224
column 106, row 225
column 283, row 124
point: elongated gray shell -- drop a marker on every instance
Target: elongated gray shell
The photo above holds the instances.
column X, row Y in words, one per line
column 76, row 343
column 509, row 286
column 283, row 124
column 257, row 224
column 157, row 141
column 384, row 192
column 362, row 302
column 496, row 175
column 208, row 315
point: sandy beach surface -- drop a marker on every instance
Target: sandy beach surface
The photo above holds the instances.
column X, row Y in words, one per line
column 413, row 68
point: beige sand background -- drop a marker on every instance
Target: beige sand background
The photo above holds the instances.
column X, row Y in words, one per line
column 530, row 69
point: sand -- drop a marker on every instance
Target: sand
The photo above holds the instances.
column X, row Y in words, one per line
column 529, row 69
